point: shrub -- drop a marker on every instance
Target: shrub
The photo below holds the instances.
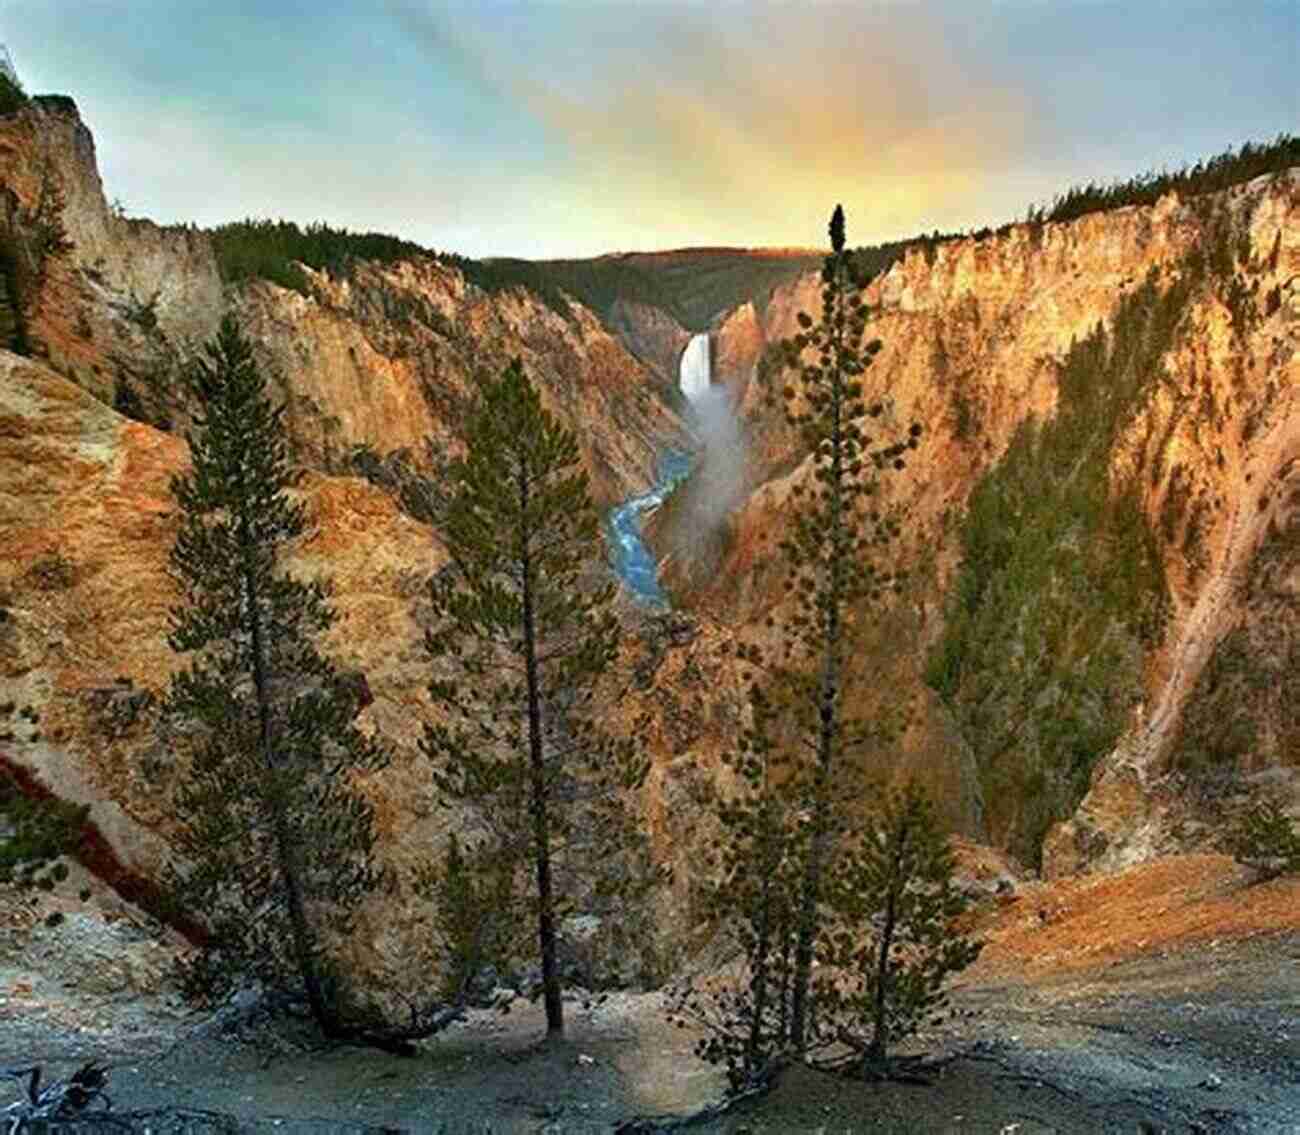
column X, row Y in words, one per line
column 52, row 572
column 1265, row 839
column 34, row 833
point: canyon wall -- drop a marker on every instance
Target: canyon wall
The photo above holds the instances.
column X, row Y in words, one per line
column 1153, row 351
column 376, row 366
column 1193, row 377
column 377, row 356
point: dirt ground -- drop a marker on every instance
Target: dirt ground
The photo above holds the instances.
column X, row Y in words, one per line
column 1164, row 999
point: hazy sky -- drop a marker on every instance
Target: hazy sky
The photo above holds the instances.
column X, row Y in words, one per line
column 573, row 128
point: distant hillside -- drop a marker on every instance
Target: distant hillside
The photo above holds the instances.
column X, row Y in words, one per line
column 692, row 285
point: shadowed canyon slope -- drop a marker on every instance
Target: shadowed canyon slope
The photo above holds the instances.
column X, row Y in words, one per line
column 1176, row 442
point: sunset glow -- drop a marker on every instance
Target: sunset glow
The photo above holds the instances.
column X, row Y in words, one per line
column 576, row 128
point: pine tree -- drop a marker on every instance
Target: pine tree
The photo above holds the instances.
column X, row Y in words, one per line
column 521, row 637
column 895, row 906
column 278, row 839
column 801, row 780
column 755, row 860
column 833, row 567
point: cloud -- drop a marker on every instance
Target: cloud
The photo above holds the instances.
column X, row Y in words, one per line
column 575, row 127
column 745, row 124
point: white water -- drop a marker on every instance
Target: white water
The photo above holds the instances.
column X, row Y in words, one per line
column 693, row 372
column 632, row 559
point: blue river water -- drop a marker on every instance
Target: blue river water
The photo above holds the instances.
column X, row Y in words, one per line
column 633, row 562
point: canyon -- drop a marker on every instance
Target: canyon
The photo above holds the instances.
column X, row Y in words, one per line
column 985, row 344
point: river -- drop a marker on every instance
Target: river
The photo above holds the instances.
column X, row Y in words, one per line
column 632, row 560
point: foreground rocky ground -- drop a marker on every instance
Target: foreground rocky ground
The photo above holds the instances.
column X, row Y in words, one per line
column 1164, row 999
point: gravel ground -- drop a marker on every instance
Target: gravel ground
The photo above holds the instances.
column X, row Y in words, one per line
column 1084, row 1021
column 1204, row 1040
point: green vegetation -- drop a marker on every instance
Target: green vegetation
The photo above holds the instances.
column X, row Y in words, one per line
column 36, row 831
column 1220, row 726
column 832, row 559
column 1061, row 583
column 518, row 641
column 271, row 250
column 1265, row 839
column 1212, row 175
column 898, row 882
column 1232, row 167
column 277, row 838
column 753, row 900
column 691, row 286
column 12, row 95
column 56, row 104
column 1244, row 710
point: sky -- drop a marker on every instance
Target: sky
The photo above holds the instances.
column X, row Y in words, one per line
column 577, row 127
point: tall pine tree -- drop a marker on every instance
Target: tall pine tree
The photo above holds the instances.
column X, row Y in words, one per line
column 522, row 634
column 802, row 767
column 834, row 566
column 276, row 835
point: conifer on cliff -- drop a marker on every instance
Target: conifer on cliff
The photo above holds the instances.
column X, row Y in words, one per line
column 834, row 564
column 276, row 834
column 896, row 941
column 791, row 886
column 521, row 635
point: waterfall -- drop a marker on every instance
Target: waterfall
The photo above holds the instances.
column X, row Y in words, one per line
column 693, row 371
column 633, row 562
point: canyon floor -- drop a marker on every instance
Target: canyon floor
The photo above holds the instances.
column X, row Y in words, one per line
column 1162, row 999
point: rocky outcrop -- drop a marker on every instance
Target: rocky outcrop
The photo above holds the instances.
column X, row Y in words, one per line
column 129, row 297
column 651, row 334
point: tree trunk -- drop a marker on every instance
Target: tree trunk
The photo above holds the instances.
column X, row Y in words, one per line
column 762, row 946
column 537, row 766
column 875, row 1054
column 303, row 947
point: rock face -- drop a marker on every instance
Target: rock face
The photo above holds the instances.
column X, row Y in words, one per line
column 379, row 361
column 386, row 358
column 651, row 334
column 977, row 334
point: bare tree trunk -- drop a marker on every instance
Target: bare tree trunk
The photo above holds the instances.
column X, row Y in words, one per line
column 875, row 1054
column 541, row 820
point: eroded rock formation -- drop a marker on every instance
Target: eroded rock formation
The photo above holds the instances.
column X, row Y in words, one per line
column 977, row 334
